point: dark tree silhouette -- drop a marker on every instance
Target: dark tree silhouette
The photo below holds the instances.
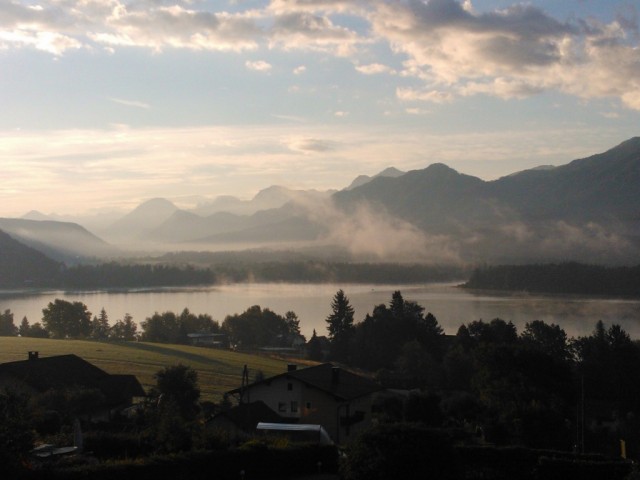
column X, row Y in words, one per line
column 340, row 326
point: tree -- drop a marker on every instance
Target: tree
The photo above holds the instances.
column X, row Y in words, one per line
column 67, row 320
column 125, row 329
column 7, row 327
column 23, row 330
column 340, row 326
column 162, row 328
column 255, row 327
column 201, row 323
column 549, row 338
column 179, row 384
column 402, row 450
column 314, row 348
column 16, row 433
column 38, row 331
column 100, row 326
column 171, row 328
column 292, row 323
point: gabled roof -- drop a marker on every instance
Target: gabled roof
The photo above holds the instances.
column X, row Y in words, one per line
column 335, row 381
column 247, row 415
column 65, row 371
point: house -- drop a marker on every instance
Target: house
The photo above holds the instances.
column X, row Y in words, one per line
column 241, row 420
column 38, row 375
column 207, row 339
column 337, row 399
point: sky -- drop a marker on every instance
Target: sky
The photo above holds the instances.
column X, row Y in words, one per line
column 107, row 103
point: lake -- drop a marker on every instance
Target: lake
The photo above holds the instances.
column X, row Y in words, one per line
column 452, row 306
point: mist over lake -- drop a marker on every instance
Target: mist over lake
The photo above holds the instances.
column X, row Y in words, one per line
column 452, row 306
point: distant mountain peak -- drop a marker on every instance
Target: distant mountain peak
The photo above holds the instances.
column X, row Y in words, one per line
column 35, row 215
column 389, row 172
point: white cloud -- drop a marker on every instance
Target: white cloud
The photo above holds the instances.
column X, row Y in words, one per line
column 434, row 96
column 299, row 70
column 131, row 103
column 258, row 66
column 313, row 145
column 511, row 53
column 373, row 69
column 452, row 48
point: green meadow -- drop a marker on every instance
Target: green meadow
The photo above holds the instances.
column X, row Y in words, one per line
column 218, row 370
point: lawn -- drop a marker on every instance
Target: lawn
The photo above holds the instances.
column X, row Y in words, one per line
column 218, row 370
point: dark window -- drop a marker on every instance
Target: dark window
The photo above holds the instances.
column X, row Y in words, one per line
column 294, row 407
column 282, row 407
column 289, row 386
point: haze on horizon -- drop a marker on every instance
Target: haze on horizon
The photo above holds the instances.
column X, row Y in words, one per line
column 111, row 102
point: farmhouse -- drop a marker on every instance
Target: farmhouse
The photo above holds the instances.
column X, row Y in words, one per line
column 326, row 395
column 38, row 375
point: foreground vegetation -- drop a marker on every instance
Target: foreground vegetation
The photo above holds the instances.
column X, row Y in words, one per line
column 218, row 370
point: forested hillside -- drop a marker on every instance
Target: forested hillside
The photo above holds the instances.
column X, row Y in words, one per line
column 22, row 266
column 559, row 278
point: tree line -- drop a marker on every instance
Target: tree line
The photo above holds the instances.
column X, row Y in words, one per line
column 537, row 387
column 570, row 277
column 254, row 328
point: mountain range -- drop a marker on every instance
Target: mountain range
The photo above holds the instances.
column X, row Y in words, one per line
column 586, row 210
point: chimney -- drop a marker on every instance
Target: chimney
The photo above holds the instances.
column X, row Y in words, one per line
column 291, row 367
column 33, row 355
column 335, row 374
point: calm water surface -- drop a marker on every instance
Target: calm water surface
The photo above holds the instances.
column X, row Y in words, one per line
column 452, row 306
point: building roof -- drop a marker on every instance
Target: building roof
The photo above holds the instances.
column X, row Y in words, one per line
column 66, row 371
column 335, row 381
column 302, row 432
column 247, row 415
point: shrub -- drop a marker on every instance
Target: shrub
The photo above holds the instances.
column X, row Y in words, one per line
column 404, row 451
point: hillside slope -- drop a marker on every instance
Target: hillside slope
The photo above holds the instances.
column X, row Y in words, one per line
column 22, row 266
column 218, row 370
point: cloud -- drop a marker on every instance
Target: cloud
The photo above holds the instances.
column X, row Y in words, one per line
column 131, row 103
column 446, row 45
column 299, row 70
column 258, row 66
column 302, row 30
column 374, row 68
column 434, row 96
column 369, row 233
column 511, row 53
column 311, row 145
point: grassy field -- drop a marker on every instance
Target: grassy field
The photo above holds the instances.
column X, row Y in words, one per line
column 218, row 370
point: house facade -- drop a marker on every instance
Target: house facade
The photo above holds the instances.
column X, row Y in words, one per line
column 339, row 400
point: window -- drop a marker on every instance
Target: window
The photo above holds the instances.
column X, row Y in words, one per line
column 282, row 407
column 294, row 407
column 289, row 386
column 308, row 405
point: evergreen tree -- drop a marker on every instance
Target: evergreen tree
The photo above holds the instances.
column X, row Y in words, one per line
column 340, row 326
column 24, row 328
column 314, row 348
column 7, row 328
column 100, row 326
